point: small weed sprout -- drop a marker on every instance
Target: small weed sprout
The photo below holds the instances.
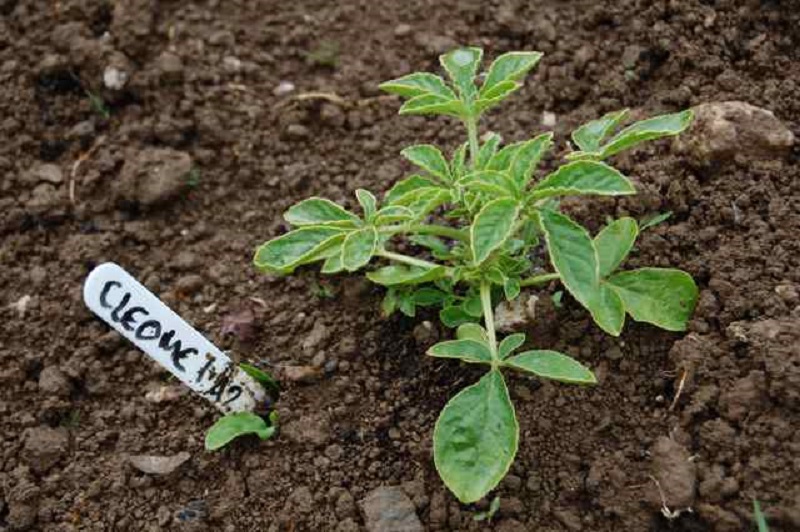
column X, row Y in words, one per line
column 484, row 219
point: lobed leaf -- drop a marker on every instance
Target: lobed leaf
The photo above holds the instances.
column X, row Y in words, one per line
column 472, row 331
column 664, row 297
column 650, row 129
column 497, row 94
column 231, row 426
column 552, row 365
column 462, row 66
column 476, row 438
column 510, row 344
column 368, row 203
column 492, row 226
column 358, row 248
column 428, row 104
column 467, row 350
column 614, row 243
column 511, row 66
column 399, row 274
column 490, row 182
column 418, row 84
column 430, row 159
column 406, row 186
column 589, row 136
column 320, row 211
column 527, row 157
column 583, row 177
column 428, row 296
column 285, row 253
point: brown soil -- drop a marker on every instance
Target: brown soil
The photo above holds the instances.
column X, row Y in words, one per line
column 202, row 75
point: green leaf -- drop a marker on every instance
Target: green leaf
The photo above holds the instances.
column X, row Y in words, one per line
column 490, row 182
column 476, row 438
column 423, row 201
column 614, row 243
column 583, row 177
column 650, row 129
column 397, row 274
column 472, row 305
column 453, row 316
column 368, row 203
column 358, row 248
column 439, row 248
column 512, row 66
column 527, row 157
column 392, row 214
column 231, row 426
column 487, row 150
column 458, row 161
column 664, row 297
column 430, row 159
column 607, row 310
column 428, row 104
column 418, row 84
column 427, row 296
column 333, row 264
column 389, row 303
column 472, row 331
column 319, row 211
column 510, row 344
column 466, row 350
column 406, row 186
column 501, row 161
column 552, row 365
column 261, row 376
column 572, row 254
column 589, row 136
column 654, row 220
column 497, row 94
column 758, row 515
column 511, row 288
column 492, row 227
column 285, row 253
column 462, row 66
column 407, row 305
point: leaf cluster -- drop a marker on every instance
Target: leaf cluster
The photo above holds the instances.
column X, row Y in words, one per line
column 482, row 217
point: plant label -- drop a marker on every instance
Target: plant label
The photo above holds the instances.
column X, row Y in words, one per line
column 138, row 315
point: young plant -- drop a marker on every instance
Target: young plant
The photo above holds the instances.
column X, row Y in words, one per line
column 485, row 223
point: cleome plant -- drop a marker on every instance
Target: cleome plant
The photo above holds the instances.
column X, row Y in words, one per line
column 486, row 227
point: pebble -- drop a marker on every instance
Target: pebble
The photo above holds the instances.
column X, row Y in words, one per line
column 388, row 509
column 52, row 381
column 153, row 176
column 189, row 284
column 301, row 374
column 549, row 119
column 158, row 465
column 283, row 88
column 170, row 67
column 48, row 173
column 114, row 78
column 401, row 30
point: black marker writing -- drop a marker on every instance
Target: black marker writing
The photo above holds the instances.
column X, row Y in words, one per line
column 128, row 318
column 178, row 353
column 104, row 293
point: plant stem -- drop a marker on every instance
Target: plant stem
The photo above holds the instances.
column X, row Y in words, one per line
column 430, row 229
column 539, row 279
column 411, row 261
column 488, row 318
column 472, row 132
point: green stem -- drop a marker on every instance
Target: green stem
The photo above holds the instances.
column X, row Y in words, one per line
column 411, row 261
column 539, row 279
column 429, row 229
column 472, row 132
column 488, row 318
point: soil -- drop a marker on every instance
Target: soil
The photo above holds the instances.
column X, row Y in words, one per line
column 93, row 90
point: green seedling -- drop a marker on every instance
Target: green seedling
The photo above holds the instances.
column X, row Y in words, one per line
column 489, row 514
column 758, row 516
column 479, row 216
column 655, row 220
column 236, row 424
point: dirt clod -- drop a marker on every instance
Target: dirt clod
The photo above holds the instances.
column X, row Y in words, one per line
column 153, row 176
column 388, row 509
column 675, row 476
column 44, row 448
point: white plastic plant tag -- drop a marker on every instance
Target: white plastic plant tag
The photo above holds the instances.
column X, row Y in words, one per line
column 138, row 315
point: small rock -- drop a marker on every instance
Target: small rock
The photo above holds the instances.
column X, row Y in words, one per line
column 613, row 353
column 388, row 509
column 568, row 518
column 189, row 284
column 345, row 505
column 196, row 510
column 297, row 132
column 283, row 88
column 425, row 334
column 314, row 429
column 722, row 130
column 231, row 63
column 52, row 381
column 788, row 293
column 170, row 67
column 82, row 130
column 301, row 374
column 511, row 315
column 158, row 465
column 300, row 501
column 49, row 173
column 44, row 447
column 153, row 176
column 549, row 119
column 21, row 305
column 348, row 525
column 164, row 394
column 676, row 475
column 114, row 78
column 43, row 198
column 401, row 30
column 318, row 337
